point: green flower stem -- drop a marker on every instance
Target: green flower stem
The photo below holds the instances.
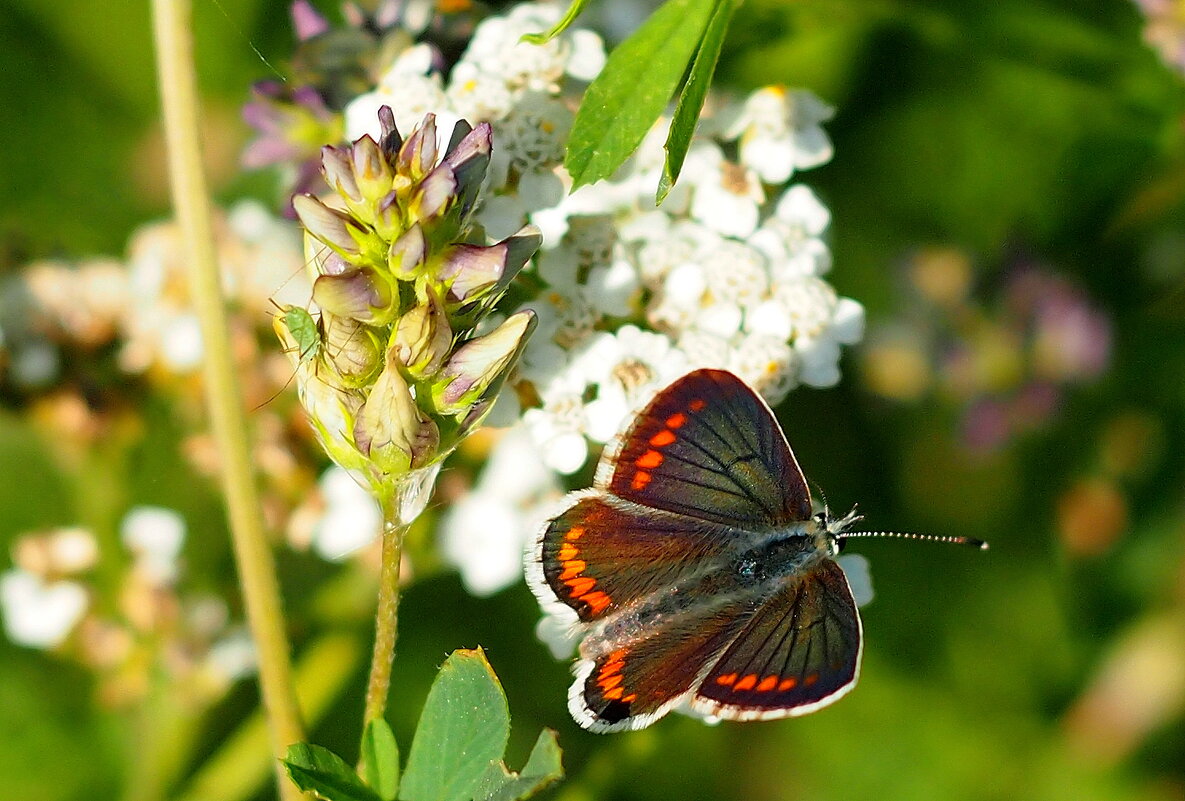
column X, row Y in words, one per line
column 257, row 575
column 386, row 621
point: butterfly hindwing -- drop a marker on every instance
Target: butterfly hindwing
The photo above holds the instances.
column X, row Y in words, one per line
column 709, row 447
column 798, row 652
column 603, row 552
column 629, row 686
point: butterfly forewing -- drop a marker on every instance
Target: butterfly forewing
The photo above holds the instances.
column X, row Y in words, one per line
column 603, row 552
column 799, row 651
column 707, row 446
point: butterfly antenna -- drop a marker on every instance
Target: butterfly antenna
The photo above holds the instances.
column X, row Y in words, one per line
column 969, row 541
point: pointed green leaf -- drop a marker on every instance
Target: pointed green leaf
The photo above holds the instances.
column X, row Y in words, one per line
column 543, row 767
column 691, row 99
column 633, row 89
column 380, row 759
column 569, row 17
column 463, row 728
column 323, row 772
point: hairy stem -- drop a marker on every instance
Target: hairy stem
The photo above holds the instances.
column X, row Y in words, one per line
column 386, row 621
column 256, row 568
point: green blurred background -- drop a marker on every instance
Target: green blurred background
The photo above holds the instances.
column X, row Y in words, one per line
column 996, row 133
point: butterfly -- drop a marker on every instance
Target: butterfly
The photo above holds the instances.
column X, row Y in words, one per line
column 698, row 571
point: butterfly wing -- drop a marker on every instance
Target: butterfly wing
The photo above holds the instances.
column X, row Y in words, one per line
column 708, row 447
column 603, row 552
column 800, row 651
column 630, row 685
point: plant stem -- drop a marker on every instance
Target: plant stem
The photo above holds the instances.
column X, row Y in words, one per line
column 257, row 574
column 386, row 621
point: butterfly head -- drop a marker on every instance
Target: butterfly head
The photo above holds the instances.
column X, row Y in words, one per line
column 831, row 528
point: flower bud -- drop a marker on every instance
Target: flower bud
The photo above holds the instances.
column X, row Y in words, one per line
column 351, row 349
column 360, row 294
column 406, row 255
column 339, row 173
column 391, row 431
column 423, row 336
column 371, row 170
column 435, row 194
column 469, row 158
column 473, row 270
column 417, row 156
column 334, row 228
column 478, row 368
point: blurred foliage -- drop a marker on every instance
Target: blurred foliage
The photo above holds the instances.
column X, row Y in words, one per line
column 1046, row 127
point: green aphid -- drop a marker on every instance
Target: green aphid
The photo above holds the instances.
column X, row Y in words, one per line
column 305, row 330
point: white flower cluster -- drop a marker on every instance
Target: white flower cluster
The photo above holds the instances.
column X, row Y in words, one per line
column 48, row 602
column 727, row 273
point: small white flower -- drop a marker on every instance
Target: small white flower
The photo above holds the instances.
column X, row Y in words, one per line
column 410, row 87
column 478, row 95
column 496, row 47
column 791, row 236
column 627, row 367
column 532, row 136
column 780, row 132
column 736, row 272
column 155, row 535
column 613, row 288
column 768, row 364
column 352, row 519
column 855, row 567
column 559, row 629
column 558, row 426
column 484, row 533
column 39, row 614
column 820, row 322
column 705, row 350
column 727, row 196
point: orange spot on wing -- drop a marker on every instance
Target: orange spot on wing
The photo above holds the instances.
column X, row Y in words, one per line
column 747, row 683
column 568, row 552
column 811, row 679
column 767, row 684
column 609, row 682
column 597, row 600
column 787, row 684
column 641, row 479
column 629, row 699
column 614, row 694
column 726, row 679
column 572, row 569
column 610, row 668
column 663, row 438
column 574, row 533
column 580, row 586
column 676, row 420
column 649, row 460
column 697, row 405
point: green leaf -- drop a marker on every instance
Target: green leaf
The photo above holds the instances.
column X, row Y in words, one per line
column 543, row 767
column 691, row 99
column 323, row 772
column 380, row 759
column 633, row 89
column 569, row 17
column 463, row 728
